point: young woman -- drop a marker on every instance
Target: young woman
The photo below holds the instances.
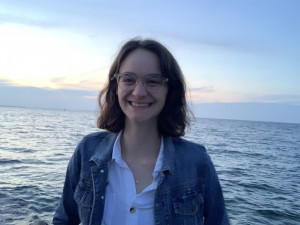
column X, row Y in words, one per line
column 139, row 171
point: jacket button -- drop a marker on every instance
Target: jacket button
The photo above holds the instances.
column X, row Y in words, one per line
column 102, row 197
column 101, row 171
column 132, row 210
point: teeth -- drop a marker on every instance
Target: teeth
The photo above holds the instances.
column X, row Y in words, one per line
column 140, row 104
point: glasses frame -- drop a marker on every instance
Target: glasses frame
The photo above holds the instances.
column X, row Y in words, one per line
column 118, row 75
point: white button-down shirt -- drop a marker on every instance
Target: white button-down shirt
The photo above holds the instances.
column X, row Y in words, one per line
column 122, row 204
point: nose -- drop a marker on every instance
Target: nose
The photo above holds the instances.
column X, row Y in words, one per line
column 139, row 90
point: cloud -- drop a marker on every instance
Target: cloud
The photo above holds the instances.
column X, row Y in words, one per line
column 61, row 14
column 208, row 94
column 5, row 82
column 203, row 89
column 288, row 99
column 219, row 42
column 91, row 97
column 25, row 20
column 249, row 111
column 90, row 80
column 47, row 98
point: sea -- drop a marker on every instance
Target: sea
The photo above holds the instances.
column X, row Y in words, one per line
column 258, row 164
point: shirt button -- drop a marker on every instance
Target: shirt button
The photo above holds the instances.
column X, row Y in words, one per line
column 101, row 171
column 132, row 210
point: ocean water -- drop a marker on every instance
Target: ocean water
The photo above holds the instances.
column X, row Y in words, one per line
column 258, row 164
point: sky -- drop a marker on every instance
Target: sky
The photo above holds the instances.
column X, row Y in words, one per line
column 240, row 58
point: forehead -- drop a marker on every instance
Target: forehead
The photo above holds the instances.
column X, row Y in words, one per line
column 141, row 62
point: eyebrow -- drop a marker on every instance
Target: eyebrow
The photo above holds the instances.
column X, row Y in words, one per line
column 131, row 73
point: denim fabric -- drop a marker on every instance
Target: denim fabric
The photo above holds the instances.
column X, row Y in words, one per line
column 188, row 191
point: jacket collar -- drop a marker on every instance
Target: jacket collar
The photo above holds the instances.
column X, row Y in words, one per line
column 169, row 155
column 104, row 150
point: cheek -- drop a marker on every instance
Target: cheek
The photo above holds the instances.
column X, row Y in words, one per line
column 163, row 100
column 118, row 95
column 121, row 94
column 166, row 94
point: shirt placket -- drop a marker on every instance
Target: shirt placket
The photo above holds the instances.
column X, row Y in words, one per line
column 132, row 214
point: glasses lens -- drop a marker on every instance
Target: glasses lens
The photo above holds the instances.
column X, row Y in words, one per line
column 126, row 81
column 154, row 82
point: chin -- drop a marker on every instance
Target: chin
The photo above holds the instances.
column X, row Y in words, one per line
column 142, row 120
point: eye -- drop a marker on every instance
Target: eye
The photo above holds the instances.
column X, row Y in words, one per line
column 127, row 79
column 153, row 80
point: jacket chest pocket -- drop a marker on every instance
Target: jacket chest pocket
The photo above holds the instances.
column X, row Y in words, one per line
column 189, row 208
column 83, row 196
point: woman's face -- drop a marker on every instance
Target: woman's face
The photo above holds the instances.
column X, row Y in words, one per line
column 140, row 103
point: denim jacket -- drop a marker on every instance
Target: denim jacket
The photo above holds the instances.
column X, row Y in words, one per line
column 188, row 190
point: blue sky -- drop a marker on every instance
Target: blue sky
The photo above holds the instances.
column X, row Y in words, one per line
column 233, row 53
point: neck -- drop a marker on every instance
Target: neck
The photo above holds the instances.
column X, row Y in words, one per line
column 140, row 141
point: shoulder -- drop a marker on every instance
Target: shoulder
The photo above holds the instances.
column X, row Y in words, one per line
column 96, row 145
column 90, row 142
column 94, row 137
column 183, row 144
column 189, row 151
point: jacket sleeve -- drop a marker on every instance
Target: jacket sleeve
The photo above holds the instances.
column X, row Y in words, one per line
column 67, row 211
column 214, row 209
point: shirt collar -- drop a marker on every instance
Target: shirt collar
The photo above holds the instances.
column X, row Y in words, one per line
column 160, row 157
column 117, row 155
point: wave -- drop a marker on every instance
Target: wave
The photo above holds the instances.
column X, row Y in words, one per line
column 10, row 161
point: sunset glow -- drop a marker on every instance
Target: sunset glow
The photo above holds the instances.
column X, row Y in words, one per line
column 228, row 51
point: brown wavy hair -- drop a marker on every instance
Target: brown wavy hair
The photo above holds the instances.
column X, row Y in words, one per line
column 175, row 115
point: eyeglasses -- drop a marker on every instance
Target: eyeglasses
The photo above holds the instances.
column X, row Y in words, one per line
column 151, row 82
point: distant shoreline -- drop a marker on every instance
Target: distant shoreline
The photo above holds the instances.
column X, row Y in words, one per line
column 197, row 117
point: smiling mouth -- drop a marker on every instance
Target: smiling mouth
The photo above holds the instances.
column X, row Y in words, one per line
column 139, row 104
